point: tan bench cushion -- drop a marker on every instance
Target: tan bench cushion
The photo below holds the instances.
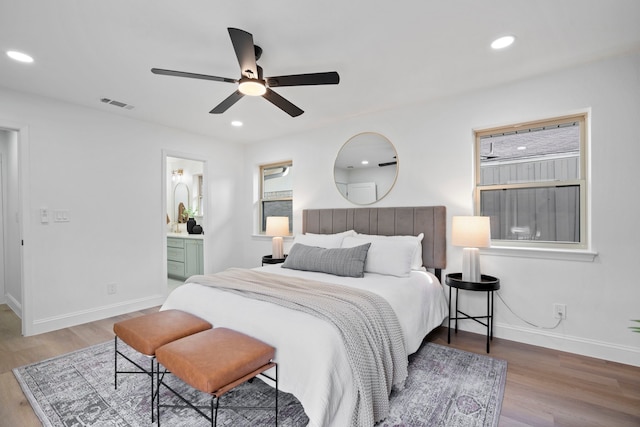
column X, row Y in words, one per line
column 211, row 360
column 149, row 332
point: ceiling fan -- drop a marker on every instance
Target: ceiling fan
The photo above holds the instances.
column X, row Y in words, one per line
column 251, row 81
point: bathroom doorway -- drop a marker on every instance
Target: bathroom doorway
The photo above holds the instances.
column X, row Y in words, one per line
column 185, row 216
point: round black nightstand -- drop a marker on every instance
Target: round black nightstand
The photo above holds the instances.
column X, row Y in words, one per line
column 269, row 259
column 487, row 284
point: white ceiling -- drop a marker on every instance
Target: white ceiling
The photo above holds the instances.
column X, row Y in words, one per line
column 387, row 53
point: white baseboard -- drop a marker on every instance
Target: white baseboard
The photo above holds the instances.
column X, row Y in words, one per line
column 542, row 338
column 67, row 320
column 14, row 305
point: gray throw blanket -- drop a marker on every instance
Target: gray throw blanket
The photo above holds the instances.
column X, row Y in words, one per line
column 366, row 322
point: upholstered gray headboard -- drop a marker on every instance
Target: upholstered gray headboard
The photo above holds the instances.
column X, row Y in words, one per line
column 430, row 220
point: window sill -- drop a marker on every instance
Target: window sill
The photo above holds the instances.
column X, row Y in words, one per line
column 265, row 237
column 555, row 254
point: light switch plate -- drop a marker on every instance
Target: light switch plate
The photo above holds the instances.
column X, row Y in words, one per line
column 61, row 215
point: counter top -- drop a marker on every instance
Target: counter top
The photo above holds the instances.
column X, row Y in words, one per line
column 186, row 236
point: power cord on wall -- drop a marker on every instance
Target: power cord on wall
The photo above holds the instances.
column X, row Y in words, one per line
column 524, row 320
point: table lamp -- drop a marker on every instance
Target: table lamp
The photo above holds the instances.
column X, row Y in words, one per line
column 471, row 232
column 277, row 226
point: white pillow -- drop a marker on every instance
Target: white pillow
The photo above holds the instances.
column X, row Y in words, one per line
column 323, row 240
column 416, row 257
column 392, row 257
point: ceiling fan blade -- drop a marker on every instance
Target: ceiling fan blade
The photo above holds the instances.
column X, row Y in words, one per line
column 328, row 78
column 245, row 51
column 192, row 75
column 282, row 103
column 224, row 105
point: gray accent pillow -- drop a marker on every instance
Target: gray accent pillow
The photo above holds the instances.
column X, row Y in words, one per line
column 348, row 262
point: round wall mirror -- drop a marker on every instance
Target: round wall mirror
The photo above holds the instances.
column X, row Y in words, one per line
column 366, row 168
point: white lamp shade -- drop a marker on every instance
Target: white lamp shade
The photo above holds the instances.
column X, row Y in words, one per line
column 277, row 226
column 471, row 231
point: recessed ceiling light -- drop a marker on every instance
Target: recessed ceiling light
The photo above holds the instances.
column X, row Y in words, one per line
column 522, row 148
column 503, row 42
column 236, row 123
column 19, row 56
column 365, row 162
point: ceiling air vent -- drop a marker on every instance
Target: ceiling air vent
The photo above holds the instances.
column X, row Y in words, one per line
column 117, row 103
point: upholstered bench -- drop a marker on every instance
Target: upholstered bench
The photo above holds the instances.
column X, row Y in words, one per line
column 214, row 362
column 147, row 333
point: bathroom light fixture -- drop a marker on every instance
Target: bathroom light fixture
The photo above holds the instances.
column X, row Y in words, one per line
column 252, row 87
column 176, row 175
column 502, row 42
column 236, row 123
column 19, row 56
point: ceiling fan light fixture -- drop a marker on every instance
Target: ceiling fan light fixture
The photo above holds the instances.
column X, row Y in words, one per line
column 252, row 87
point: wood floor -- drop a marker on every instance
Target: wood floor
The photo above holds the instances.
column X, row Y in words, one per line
column 544, row 387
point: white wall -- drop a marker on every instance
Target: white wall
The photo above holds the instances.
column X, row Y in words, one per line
column 106, row 170
column 434, row 142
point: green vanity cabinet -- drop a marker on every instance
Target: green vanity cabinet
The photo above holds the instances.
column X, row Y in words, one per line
column 184, row 257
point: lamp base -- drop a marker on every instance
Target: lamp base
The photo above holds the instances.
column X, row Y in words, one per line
column 277, row 250
column 471, row 265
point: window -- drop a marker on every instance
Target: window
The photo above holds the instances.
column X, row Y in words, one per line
column 531, row 182
column 197, row 197
column 276, row 192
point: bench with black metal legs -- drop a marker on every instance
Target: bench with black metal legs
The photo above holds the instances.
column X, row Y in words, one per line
column 147, row 333
column 214, row 362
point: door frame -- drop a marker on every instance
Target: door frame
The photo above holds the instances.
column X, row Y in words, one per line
column 163, row 214
column 24, row 226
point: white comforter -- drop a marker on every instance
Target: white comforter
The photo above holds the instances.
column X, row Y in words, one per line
column 313, row 364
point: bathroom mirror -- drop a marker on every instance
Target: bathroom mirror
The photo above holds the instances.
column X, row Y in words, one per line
column 181, row 198
column 366, row 168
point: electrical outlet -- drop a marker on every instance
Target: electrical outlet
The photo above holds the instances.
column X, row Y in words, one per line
column 112, row 288
column 560, row 311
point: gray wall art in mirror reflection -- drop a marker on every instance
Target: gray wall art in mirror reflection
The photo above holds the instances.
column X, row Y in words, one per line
column 366, row 168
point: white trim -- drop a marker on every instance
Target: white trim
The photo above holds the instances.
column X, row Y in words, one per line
column 265, row 237
column 14, row 305
column 3, row 227
column 23, row 307
column 584, row 346
column 541, row 253
column 542, row 338
column 163, row 214
column 67, row 320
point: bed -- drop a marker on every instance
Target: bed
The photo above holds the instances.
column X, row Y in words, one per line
column 326, row 390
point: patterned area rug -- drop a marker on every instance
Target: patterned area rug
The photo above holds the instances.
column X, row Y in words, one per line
column 446, row 387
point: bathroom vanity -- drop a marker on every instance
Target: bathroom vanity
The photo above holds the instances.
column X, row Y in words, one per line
column 184, row 255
